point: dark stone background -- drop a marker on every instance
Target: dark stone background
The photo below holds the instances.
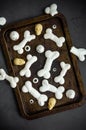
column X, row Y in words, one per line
column 75, row 13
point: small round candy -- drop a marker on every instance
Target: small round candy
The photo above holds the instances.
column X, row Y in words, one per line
column 70, row 94
column 61, row 89
column 14, row 35
column 31, row 101
column 40, row 48
column 35, row 80
column 54, row 69
column 27, row 48
column 54, row 26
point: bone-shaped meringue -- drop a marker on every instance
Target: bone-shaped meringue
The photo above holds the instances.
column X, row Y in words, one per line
column 65, row 67
column 27, row 38
column 58, row 40
column 51, row 88
column 51, row 56
column 12, row 80
column 26, row 70
column 52, row 10
column 41, row 98
column 80, row 53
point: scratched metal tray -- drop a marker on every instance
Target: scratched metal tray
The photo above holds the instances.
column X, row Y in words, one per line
column 73, row 77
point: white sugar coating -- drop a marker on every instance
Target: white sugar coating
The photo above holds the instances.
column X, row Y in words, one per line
column 79, row 52
column 47, row 10
column 26, row 70
column 40, row 48
column 70, row 93
column 14, row 35
column 60, row 78
column 2, row 74
column 27, row 38
column 12, row 80
column 2, row 21
column 50, row 35
column 53, row 6
column 41, row 98
column 61, row 89
column 46, row 86
column 24, row 89
column 50, row 57
column 52, row 10
column 58, row 95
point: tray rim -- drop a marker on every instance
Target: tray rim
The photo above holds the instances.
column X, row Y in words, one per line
column 73, row 59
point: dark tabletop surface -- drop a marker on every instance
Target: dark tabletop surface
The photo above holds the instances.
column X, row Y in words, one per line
column 75, row 13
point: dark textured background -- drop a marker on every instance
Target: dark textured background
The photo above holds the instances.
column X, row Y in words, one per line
column 75, row 13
